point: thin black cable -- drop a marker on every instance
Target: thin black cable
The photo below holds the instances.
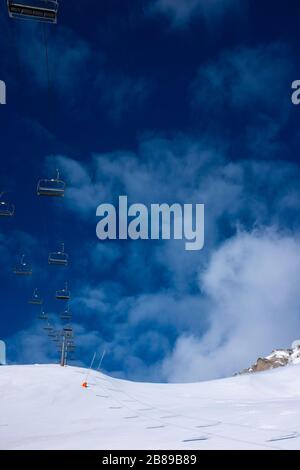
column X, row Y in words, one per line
column 14, row 44
column 47, row 63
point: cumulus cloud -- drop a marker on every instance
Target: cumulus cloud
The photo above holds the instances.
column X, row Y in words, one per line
column 181, row 11
column 14, row 246
column 68, row 56
column 143, row 300
column 244, row 78
column 240, row 82
column 123, row 95
column 205, row 321
column 246, row 192
column 251, row 284
column 31, row 345
column 249, row 305
column 72, row 68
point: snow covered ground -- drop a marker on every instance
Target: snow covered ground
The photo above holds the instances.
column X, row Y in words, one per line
column 45, row 407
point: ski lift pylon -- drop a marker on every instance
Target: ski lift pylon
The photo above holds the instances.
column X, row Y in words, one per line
column 67, row 333
column 23, row 268
column 54, row 187
column 36, row 10
column 6, row 209
column 59, row 258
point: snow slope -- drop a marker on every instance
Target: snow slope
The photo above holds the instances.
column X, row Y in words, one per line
column 45, row 407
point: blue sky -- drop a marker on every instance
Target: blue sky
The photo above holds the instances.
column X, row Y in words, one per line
column 164, row 101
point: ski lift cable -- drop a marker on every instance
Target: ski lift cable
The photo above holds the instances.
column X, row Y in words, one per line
column 48, row 77
column 47, row 62
column 58, row 186
column 162, row 410
column 159, row 420
column 169, row 423
column 45, row 222
column 14, row 40
column 19, row 73
column 132, row 409
column 141, row 413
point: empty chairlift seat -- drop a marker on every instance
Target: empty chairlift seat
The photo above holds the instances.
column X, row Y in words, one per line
column 36, row 298
column 66, row 315
column 48, row 327
column 23, row 268
column 43, row 316
column 6, row 209
column 54, row 187
column 52, row 334
column 59, row 258
column 63, row 294
column 36, row 10
column 68, row 330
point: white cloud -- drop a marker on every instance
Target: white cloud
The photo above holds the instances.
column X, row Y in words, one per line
column 246, row 302
column 67, row 59
column 30, row 346
column 181, row 11
column 123, row 95
column 252, row 284
column 14, row 246
column 242, row 80
column 185, row 171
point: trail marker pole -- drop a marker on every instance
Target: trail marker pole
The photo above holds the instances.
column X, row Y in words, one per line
column 101, row 360
column 85, row 383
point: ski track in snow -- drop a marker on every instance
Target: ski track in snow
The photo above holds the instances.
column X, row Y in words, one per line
column 45, row 407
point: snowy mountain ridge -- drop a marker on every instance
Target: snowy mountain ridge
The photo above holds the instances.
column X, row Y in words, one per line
column 278, row 358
